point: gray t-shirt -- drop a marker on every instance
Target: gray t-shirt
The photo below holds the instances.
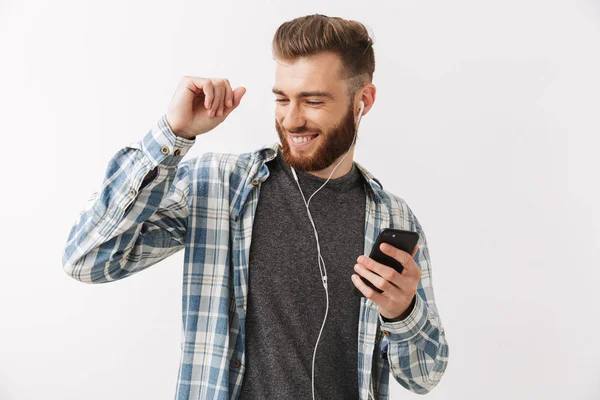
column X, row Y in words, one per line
column 286, row 299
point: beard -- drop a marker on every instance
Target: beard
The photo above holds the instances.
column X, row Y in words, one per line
column 334, row 143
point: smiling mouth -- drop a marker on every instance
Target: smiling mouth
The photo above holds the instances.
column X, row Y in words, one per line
column 301, row 139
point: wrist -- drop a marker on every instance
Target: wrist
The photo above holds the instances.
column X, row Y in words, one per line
column 405, row 314
column 177, row 131
column 184, row 136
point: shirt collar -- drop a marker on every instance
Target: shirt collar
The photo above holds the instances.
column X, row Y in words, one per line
column 269, row 152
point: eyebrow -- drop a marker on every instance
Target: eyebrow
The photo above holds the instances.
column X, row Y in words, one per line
column 314, row 93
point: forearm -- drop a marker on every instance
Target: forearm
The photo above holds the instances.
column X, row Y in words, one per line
column 115, row 228
column 416, row 349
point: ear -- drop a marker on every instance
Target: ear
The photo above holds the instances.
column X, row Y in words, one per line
column 367, row 96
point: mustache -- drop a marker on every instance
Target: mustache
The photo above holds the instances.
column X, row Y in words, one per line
column 307, row 130
column 303, row 129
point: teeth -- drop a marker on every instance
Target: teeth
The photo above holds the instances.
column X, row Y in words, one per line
column 302, row 139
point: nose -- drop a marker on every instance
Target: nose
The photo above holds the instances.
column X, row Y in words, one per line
column 293, row 119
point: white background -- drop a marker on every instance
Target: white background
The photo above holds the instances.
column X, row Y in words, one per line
column 486, row 122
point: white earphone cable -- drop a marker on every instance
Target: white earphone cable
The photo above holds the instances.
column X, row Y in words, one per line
column 320, row 260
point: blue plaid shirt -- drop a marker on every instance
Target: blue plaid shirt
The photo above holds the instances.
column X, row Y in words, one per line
column 206, row 205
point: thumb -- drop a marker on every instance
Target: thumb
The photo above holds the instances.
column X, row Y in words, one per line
column 237, row 96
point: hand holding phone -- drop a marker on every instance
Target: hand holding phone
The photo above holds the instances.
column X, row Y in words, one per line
column 401, row 239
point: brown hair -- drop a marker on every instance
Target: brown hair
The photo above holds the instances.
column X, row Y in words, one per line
column 314, row 34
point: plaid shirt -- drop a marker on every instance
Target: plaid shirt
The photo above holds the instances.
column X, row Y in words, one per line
column 206, row 205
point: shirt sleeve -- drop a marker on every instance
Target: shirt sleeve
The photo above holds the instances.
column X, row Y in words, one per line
column 416, row 347
column 139, row 216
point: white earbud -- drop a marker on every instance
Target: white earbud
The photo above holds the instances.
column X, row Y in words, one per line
column 362, row 107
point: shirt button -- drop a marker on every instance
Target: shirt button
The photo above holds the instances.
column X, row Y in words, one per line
column 177, row 152
column 237, row 363
column 255, row 182
column 236, row 218
column 133, row 192
column 386, row 333
column 164, row 150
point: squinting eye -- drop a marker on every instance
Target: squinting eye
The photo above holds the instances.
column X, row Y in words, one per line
column 280, row 100
column 314, row 103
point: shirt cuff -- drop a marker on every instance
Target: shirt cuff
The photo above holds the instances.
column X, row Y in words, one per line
column 408, row 327
column 162, row 146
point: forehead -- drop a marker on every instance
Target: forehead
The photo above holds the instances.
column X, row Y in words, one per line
column 320, row 72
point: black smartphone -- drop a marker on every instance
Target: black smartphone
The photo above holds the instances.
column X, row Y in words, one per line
column 403, row 240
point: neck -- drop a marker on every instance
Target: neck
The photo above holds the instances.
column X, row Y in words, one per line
column 341, row 170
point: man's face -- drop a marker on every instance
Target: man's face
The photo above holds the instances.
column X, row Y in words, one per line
column 313, row 116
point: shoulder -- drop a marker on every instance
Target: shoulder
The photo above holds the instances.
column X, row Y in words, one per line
column 400, row 212
column 401, row 215
column 220, row 166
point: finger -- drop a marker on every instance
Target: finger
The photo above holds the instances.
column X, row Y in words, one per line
column 380, row 283
column 366, row 291
column 217, row 101
column 195, row 84
column 228, row 94
column 383, row 271
column 209, row 94
column 398, row 287
column 410, row 267
column 222, row 100
column 236, row 98
column 188, row 90
column 414, row 253
column 407, row 288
